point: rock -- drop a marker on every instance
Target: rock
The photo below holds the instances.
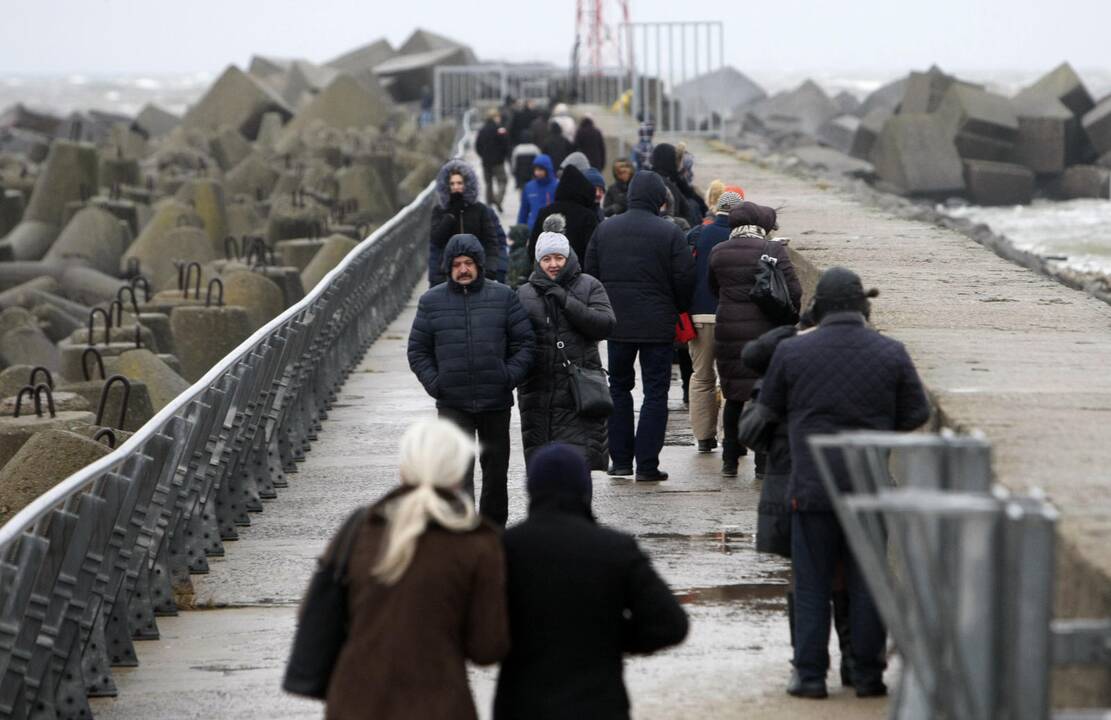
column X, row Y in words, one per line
column 983, row 125
column 887, row 97
column 1062, row 83
column 11, row 210
column 261, row 297
column 204, row 335
column 1097, row 124
column 29, row 240
column 996, row 183
column 839, row 133
column 172, row 234
column 1082, row 181
column 156, row 121
column 44, row 460
column 163, row 383
column 1043, row 129
column 298, row 253
column 70, row 173
column 251, row 177
column 26, row 345
column 228, row 147
column 867, row 132
column 235, row 99
column 334, row 250
column 343, row 104
column 916, row 155
column 95, row 238
column 207, row 199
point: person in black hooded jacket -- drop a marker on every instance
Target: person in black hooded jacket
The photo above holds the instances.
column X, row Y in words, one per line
column 688, row 204
column 581, row 596
column 590, row 142
column 556, row 146
column 471, row 343
column 458, row 212
column 574, row 200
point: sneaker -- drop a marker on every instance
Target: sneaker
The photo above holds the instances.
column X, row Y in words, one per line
column 870, row 688
column 810, row 689
column 728, row 469
column 707, row 446
column 620, row 471
column 654, row 476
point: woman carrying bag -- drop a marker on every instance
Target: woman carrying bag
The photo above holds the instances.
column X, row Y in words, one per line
column 408, row 591
column 564, row 399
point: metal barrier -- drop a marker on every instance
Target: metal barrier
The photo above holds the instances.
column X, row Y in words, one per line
column 458, row 88
column 967, row 590
column 87, row 567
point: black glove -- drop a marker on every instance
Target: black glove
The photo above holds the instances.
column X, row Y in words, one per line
column 455, row 204
column 558, row 294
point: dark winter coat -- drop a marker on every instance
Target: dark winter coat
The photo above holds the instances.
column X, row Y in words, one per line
column 580, row 597
column 733, row 266
column 574, row 200
column 474, row 219
column 688, row 205
column 645, row 265
column 492, row 144
column 415, row 635
column 470, row 345
column 538, row 194
column 584, row 318
column 539, row 129
column 702, row 240
column 616, row 200
column 589, row 141
column 842, row 376
column 520, row 124
column 556, row 146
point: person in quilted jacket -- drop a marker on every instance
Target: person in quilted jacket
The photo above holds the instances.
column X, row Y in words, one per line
column 842, row 376
column 471, row 343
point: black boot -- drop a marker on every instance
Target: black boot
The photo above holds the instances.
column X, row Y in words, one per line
column 841, row 624
column 791, row 617
column 729, row 457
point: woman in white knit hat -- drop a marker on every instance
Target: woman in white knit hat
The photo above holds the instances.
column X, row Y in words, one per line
column 570, row 307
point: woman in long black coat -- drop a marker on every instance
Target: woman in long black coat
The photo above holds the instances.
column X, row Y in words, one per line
column 733, row 267
column 563, row 303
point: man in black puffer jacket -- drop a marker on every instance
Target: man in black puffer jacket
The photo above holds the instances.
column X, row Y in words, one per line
column 470, row 345
column 646, row 267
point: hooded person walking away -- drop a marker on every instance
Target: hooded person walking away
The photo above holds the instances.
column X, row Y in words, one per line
column 842, row 376
column 574, row 200
column 425, row 590
column 458, row 212
column 492, row 146
column 590, row 142
column 616, row 200
column 732, row 275
column 688, row 205
column 581, row 596
column 704, row 403
column 646, row 267
column 557, row 146
column 568, row 306
column 471, row 343
column 521, row 160
column 539, row 192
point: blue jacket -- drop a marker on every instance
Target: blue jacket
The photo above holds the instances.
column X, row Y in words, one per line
column 470, row 345
column 842, row 376
column 537, row 195
column 702, row 239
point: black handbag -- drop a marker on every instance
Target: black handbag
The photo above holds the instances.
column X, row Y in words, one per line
column 322, row 626
column 770, row 292
column 756, row 427
column 590, row 388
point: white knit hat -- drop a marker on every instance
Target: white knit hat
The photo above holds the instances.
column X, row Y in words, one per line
column 552, row 243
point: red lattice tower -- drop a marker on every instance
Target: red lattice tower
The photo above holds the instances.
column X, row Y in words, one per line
column 602, row 48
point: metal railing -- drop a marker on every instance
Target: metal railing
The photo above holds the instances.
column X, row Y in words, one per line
column 87, row 567
column 961, row 571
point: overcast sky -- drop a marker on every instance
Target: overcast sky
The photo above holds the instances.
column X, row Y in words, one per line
column 156, row 36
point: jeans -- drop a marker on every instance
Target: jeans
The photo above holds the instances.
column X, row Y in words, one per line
column 492, row 429
column 817, row 545
column 490, row 173
column 648, row 439
column 704, row 403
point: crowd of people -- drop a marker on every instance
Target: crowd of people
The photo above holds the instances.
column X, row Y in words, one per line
column 664, row 275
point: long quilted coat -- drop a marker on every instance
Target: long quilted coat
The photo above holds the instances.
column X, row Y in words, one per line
column 733, row 266
column 470, row 345
column 547, row 406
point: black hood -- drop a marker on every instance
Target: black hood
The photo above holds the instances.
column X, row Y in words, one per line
column 647, row 192
column 575, row 188
column 470, row 246
column 665, row 161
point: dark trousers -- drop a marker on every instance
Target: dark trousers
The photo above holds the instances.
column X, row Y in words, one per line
column 731, row 448
column 492, row 174
column 643, row 444
column 492, row 429
column 817, row 546
column 686, row 369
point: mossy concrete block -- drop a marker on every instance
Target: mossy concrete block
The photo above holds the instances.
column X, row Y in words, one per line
column 204, row 335
column 44, row 460
column 55, row 322
column 139, row 406
column 252, row 177
column 993, row 183
column 237, row 100
column 29, row 240
column 983, row 125
column 71, row 172
column 95, row 238
column 16, row 317
column 15, row 377
column 207, row 198
column 156, row 251
column 15, row 431
column 334, row 250
column 163, row 382
column 64, row 401
column 1097, row 125
column 258, row 295
column 29, row 346
column 88, row 286
column 916, row 155
column 345, row 103
column 300, row 252
column 228, row 147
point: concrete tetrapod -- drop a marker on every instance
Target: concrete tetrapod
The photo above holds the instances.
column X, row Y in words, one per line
column 70, row 173
column 235, row 99
column 259, row 296
column 335, row 248
column 345, row 103
column 207, row 199
column 11, row 210
column 204, row 335
column 16, row 317
column 29, row 240
column 250, row 177
column 29, row 346
column 298, row 253
column 163, row 383
column 15, row 431
column 45, row 459
column 64, row 401
column 228, row 147
column 95, row 238
column 55, row 322
column 156, row 250
column 13, row 378
column 140, row 409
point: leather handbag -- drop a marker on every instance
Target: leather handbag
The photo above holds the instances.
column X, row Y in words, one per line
column 322, row 625
column 770, row 292
column 589, row 387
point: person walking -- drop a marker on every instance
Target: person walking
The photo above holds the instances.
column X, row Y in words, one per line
column 732, row 275
column 646, row 267
column 425, row 590
column 458, row 212
column 492, row 146
column 842, row 376
column 539, row 192
column 521, row 160
column 522, row 122
column 581, row 596
column 471, row 343
column 688, row 205
column 642, row 151
column 590, row 142
column 557, row 146
column 574, row 200
column 561, row 116
column 570, row 307
column 704, row 403
column 596, row 179
column 616, row 200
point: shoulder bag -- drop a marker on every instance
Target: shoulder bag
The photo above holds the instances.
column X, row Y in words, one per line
column 770, row 292
column 590, row 388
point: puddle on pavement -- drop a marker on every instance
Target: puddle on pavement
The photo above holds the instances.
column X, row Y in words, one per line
column 727, row 540
column 768, row 596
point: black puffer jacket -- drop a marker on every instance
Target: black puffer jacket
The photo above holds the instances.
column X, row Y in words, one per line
column 547, row 405
column 590, row 142
column 574, row 200
column 688, row 205
column 446, row 222
column 556, row 146
column 492, row 144
column 645, row 265
column 470, row 345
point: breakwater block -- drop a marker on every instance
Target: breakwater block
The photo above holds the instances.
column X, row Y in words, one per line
column 139, row 407
column 924, row 90
column 235, row 99
column 335, row 248
column 916, row 155
column 251, row 177
column 839, row 133
column 95, row 238
column 1043, row 130
column 1062, row 83
column 983, row 125
column 64, row 401
column 996, row 183
column 206, row 197
column 71, row 173
column 16, row 431
column 162, row 381
column 869, row 129
column 44, row 460
column 156, row 121
column 204, row 335
column 28, row 345
column 300, row 252
column 1097, row 125
column 228, row 147
column 16, row 317
column 29, row 240
column 1082, row 181
column 11, row 210
column 258, row 295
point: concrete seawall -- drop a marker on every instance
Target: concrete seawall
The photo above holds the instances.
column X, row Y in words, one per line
column 1002, row 349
